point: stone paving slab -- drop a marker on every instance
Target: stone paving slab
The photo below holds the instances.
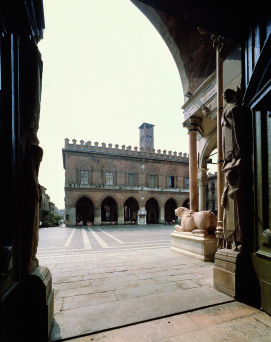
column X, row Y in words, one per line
column 226, row 322
column 97, row 291
column 87, row 319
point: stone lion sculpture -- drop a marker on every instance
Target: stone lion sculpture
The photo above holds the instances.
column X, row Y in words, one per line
column 197, row 222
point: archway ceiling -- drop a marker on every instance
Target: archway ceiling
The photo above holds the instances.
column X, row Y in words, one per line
column 183, row 18
column 229, row 19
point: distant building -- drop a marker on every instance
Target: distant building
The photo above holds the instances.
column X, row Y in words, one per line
column 46, row 206
column 211, row 192
column 109, row 185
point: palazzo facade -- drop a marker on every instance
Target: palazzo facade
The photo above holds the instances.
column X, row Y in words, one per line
column 112, row 185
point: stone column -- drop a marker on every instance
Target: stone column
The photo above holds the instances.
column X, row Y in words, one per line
column 192, row 126
column 202, row 178
column 71, row 214
column 121, row 215
column 97, row 216
column 161, row 218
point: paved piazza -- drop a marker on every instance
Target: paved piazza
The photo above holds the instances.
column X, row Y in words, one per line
column 114, row 276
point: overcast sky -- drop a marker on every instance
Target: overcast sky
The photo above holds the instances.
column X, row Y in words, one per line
column 106, row 71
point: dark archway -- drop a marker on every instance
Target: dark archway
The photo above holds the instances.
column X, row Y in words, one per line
column 130, row 210
column 170, row 207
column 84, row 211
column 186, row 204
column 109, row 210
column 152, row 208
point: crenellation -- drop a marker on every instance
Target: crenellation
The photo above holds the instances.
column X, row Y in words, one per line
column 136, row 151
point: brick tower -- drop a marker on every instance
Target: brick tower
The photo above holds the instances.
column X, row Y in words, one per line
column 146, row 138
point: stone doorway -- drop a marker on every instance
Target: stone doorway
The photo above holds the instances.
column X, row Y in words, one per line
column 84, row 212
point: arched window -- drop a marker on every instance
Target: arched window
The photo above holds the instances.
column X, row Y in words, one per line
column 84, row 175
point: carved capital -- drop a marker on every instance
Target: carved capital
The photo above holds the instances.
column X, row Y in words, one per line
column 193, row 124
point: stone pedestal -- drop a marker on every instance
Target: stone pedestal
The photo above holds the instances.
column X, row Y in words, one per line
column 199, row 247
column 29, row 308
column 225, row 271
column 234, row 275
column 142, row 215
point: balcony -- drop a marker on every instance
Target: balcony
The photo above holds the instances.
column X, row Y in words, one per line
column 123, row 187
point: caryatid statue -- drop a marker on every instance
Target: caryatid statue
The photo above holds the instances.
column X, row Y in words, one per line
column 233, row 146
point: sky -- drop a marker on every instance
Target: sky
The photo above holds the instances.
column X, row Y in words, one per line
column 106, row 70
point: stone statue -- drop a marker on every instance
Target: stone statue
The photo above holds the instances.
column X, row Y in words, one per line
column 199, row 223
column 31, row 79
column 232, row 129
column 230, row 201
column 233, row 145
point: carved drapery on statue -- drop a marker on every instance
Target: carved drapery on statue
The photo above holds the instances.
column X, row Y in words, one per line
column 31, row 79
column 233, row 144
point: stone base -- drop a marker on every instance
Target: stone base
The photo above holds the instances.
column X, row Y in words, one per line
column 234, row 275
column 202, row 248
column 225, row 271
column 37, row 305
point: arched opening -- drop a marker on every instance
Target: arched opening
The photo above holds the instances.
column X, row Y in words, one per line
column 84, row 212
column 130, row 210
column 186, row 204
column 109, row 210
column 170, row 207
column 152, row 208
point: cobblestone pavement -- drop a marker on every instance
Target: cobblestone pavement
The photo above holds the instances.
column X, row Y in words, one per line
column 116, row 277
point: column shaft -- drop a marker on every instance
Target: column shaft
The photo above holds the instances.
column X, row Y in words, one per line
column 193, row 175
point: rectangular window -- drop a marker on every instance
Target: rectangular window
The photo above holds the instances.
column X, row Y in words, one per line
column 109, row 178
column 187, row 182
column 152, row 181
column 84, row 176
column 131, row 179
column 171, row 181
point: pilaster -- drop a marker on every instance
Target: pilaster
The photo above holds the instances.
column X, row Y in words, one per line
column 121, row 215
column 97, row 216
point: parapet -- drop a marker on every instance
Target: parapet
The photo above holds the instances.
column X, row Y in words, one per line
column 123, row 150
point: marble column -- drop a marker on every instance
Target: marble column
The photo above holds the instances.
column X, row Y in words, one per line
column 202, row 179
